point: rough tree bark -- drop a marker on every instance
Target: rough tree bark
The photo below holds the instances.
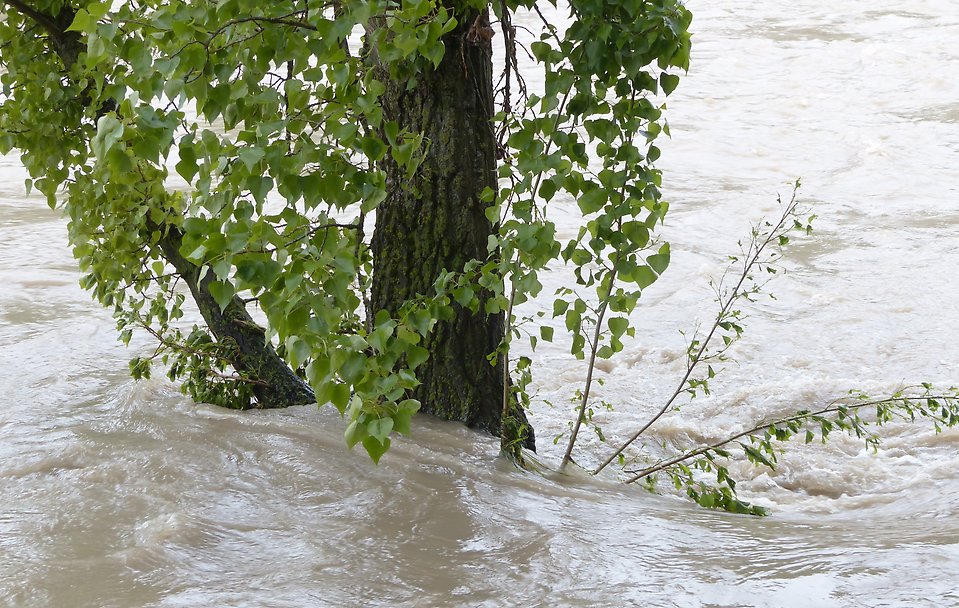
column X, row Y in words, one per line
column 436, row 221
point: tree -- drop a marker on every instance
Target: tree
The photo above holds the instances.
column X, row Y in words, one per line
column 301, row 136
column 361, row 214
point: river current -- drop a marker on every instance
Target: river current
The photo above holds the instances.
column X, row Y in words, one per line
column 122, row 494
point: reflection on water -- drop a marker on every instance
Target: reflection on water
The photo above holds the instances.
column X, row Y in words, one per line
column 121, row 494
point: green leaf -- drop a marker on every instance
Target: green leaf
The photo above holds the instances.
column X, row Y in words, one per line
column 643, row 276
column 435, row 54
column 251, row 156
column 408, row 405
column 416, row 356
column 401, row 422
column 658, row 262
column 222, row 292
column 354, row 368
column 668, row 82
column 464, row 296
column 375, row 448
column 592, row 201
column 373, row 148
column 547, row 190
column 380, row 428
column 109, row 131
column 355, row 433
column 757, row 456
column 637, row 233
column 421, row 321
column 82, row 22
column 259, row 187
column 618, row 325
column 187, row 167
column 336, row 393
column 298, row 351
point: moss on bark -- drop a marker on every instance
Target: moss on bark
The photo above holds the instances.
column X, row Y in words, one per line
column 436, row 221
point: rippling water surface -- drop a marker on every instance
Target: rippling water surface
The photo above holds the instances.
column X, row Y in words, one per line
column 120, row 494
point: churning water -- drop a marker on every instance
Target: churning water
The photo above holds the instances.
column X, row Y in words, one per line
column 120, row 494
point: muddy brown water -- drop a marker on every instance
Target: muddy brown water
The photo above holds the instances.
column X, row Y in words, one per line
column 123, row 494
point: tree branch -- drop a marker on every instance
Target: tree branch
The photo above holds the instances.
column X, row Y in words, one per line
column 833, row 407
column 46, row 21
column 66, row 44
column 753, row 258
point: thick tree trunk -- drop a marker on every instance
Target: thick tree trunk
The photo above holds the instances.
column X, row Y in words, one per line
column 436, row 221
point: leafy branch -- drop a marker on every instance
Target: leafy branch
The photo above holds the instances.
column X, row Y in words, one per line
column 756, row 257
column 759, row 444
column 198, row 360
column 594, row 348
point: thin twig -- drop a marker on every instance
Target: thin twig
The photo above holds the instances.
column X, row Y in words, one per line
column 506, row 337
column 594, row 347
column 734, row 295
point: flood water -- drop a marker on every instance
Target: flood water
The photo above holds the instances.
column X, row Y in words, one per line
column 123, row 494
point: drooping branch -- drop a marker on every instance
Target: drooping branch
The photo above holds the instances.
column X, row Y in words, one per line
column 275, row 384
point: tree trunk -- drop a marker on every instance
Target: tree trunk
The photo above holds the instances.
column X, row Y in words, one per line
column 436, row 221
column 254, row 355
column 280, row 386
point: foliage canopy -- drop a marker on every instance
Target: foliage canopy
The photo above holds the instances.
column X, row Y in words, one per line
column 243, row 144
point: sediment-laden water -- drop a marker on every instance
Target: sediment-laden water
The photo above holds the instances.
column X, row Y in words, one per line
column 123, row 494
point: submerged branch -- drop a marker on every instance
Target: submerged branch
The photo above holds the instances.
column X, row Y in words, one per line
column 796, row 420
